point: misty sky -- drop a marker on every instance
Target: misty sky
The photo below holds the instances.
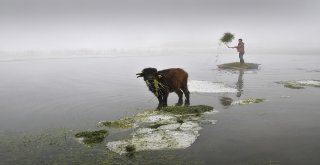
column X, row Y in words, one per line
column 266, row 25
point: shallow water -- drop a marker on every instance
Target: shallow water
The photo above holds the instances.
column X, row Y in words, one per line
column 44, row 102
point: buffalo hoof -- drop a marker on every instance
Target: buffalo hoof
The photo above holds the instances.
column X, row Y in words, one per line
column 187, row 103
column 161, row 106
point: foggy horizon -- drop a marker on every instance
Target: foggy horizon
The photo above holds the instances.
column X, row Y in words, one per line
column 265, row 26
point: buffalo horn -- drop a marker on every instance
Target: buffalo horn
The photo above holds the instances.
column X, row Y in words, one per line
column 139, row 75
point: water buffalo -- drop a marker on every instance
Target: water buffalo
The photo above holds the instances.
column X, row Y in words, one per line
column 163, row 82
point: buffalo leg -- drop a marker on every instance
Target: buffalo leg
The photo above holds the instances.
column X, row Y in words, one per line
column 180, row 95
column 160, row 102
column 187, row 94
column 165, row 100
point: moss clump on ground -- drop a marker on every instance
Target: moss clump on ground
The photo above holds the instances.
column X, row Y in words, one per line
column 130, row 148
column 180, row 120
column 123, row 123
column 293, row 86
column 185, row 110
column 300, row 84
column 238, row 65
column 91, row 137
column 155, row 126
column 248, row 101
column 226, row 101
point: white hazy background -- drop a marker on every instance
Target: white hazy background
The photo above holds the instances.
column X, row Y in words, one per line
column 290, row 26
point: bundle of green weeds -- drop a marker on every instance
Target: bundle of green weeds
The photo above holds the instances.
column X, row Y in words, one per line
column 157, row 85
column 227, row 38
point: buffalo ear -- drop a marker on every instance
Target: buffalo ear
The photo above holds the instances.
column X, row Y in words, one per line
column 139, row 75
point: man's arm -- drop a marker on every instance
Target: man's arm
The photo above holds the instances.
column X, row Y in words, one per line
column 239, row 45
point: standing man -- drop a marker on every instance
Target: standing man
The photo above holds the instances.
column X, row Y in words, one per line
column 240, row 49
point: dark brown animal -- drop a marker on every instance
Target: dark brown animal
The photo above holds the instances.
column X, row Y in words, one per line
column 163, row 82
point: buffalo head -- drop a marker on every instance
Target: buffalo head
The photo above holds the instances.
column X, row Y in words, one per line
column 149, row 74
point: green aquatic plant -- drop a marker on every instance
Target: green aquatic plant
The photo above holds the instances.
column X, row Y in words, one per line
column 300, row 84
column 186, row 110
column 91, row 137
column 165, row 116
column 122, row 123
column 157, row 125
column 293, row 86
column 238, row 65
column 128, row 122
column 248, row 101
column 180, row 120
column 227, row 38
column 130, row 148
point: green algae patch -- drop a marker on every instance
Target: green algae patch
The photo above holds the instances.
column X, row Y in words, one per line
column 164, row 116
column 293, row 86
column 129, row 122
column 123, row 123
column 187, row 110
column 248, row 101
column 238, row 65
column 300, row 84
column 91, row 137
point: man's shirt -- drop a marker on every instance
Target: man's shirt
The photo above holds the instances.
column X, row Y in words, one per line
column 240, row 47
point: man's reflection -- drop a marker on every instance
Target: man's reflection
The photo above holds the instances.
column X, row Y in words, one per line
column 239, row 84
column 227, row 101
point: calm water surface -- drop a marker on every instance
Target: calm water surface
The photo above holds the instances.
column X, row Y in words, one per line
column 44, row 102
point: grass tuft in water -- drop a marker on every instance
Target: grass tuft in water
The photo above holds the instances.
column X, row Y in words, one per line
column 91, row 137
column 130, row 148
column 293, row 86
column 122, row 123
column 300, row 84
column 185, row 110
column 248, row 101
